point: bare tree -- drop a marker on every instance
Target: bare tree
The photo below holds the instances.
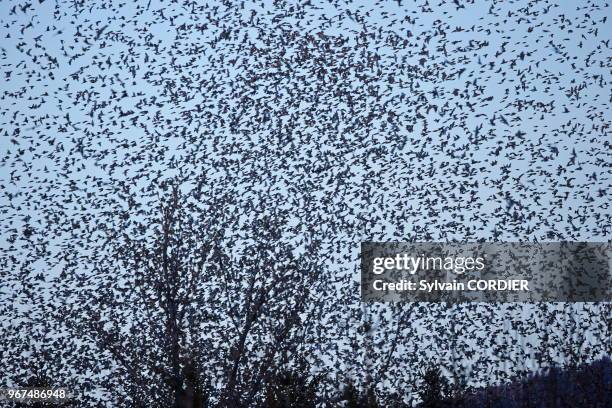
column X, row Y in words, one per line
column 184, row 312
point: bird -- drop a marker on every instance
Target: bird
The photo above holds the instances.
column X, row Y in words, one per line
column 185, row 186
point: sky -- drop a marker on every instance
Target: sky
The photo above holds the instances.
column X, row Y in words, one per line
column 465, row 119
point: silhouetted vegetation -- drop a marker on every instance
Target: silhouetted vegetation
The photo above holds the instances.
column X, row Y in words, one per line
column 434, row 390
column 291, row 389
column 587, row 385
column 184, row 186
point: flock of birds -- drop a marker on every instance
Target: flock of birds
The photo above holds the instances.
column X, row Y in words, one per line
column 337, row 121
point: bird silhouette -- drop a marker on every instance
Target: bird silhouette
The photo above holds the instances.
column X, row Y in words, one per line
column 197, row 177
